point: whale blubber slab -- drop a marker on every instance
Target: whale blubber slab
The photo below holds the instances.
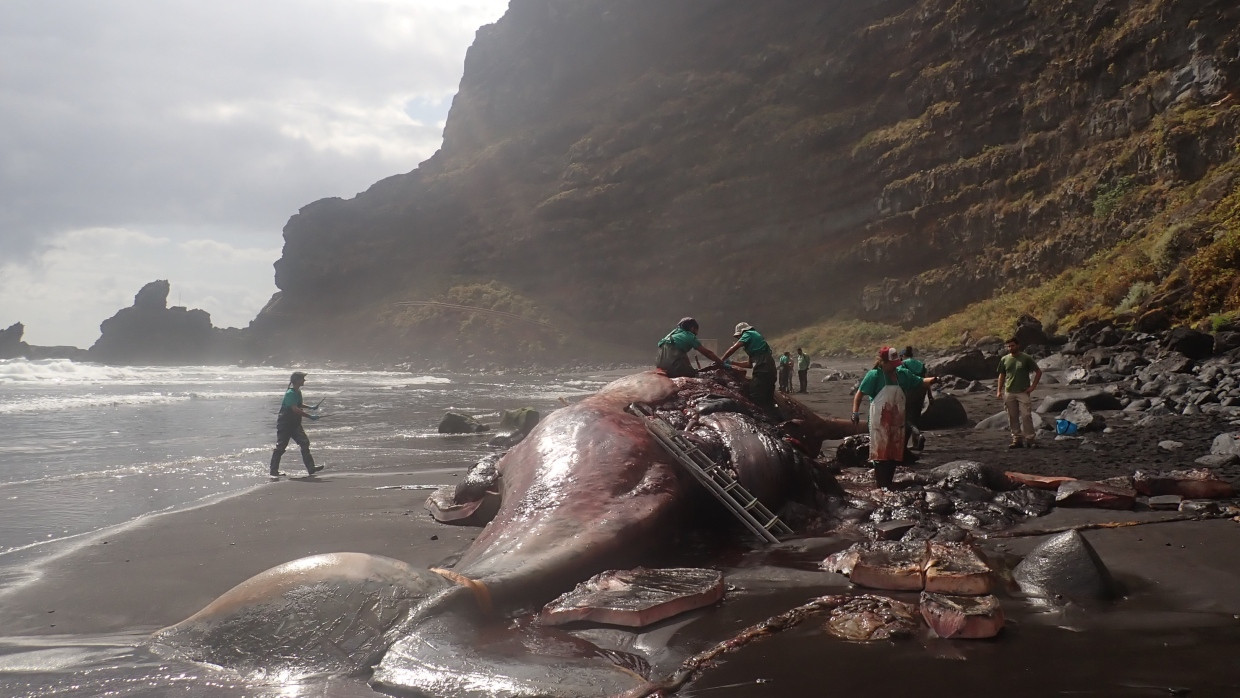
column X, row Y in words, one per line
column 635, row 598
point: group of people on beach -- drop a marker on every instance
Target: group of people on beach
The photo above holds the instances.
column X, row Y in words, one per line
column 897, row 387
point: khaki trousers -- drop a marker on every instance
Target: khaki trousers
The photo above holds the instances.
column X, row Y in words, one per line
column 1020, row 415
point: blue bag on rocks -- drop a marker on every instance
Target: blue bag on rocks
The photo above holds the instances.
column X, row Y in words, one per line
column 1065, row 428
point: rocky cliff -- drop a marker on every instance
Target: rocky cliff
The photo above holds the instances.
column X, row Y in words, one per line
column 611, row 165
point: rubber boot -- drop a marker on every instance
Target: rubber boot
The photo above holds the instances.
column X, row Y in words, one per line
column 885, row 473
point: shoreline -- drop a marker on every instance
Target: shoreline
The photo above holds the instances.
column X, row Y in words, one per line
column 143, row 575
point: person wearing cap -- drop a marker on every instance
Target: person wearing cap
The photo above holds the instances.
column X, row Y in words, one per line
column 762, row 383
column 673, row 357
column 288, row 426
column 886, row 431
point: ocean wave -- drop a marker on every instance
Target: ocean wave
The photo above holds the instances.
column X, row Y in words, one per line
column 58, row 403
column 66, row 372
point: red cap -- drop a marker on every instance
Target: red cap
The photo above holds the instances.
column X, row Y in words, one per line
column 889, row 354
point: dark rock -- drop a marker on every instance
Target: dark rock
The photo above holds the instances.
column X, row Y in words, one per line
column 1155, row 320
column 1029, row 331
column 1191, row 343
column 945, row 412
column 1167, row 364
column 11, row 344
column 456, row 423
column 893, row 530
column 1093, row 399
column 1127, row 362
column 1027, row 500
column 972, row 365
column 149, row 332
column 1108, row 337
column 1226, row 341
column 514, row 425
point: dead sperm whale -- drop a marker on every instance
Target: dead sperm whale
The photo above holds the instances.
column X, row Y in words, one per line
column 587, row 490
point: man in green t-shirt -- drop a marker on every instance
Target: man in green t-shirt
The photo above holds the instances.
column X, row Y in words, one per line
column 673, row 358
column 802, row 371
column 1014, row 388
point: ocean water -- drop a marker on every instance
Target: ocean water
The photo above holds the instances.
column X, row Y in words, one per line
column 85, row 447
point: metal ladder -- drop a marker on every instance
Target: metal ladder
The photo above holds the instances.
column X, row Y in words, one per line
column 713, row 476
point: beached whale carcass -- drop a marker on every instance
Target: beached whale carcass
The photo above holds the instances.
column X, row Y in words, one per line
column 588, row 490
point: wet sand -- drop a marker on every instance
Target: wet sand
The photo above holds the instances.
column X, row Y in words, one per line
column 1176, row 631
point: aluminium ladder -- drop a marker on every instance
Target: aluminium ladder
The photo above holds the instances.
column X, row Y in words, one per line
column 713, row 476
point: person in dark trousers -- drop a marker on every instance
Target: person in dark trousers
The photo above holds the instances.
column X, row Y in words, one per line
column 916, row 400
column 785, row 372
column 802, row 371
column 762, row 383
column 673, row 358
column 288, row 426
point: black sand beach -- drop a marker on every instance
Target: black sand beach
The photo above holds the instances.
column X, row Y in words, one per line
column 1175, row 631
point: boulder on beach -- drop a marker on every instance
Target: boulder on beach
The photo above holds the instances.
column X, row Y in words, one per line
column 457, row 423
column 945, row 412
column 1065, row 567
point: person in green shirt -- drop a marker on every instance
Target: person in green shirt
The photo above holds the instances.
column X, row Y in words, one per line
column 802, row 371
column 887, row 435
column 288, row 426
column 916, row 399
column 673, row 357
column 762, row 384
column 1015, row 388
column 785, row 372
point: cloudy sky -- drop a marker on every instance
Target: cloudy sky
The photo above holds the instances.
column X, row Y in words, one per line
column 172, row 139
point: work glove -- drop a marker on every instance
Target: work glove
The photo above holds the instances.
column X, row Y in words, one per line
column 727, row 363
column 856, row 417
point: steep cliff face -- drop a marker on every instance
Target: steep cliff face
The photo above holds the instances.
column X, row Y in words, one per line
column 610, row 166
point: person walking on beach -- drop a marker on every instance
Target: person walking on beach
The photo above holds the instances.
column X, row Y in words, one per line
column 673, row 358
column 916, row 399
column 886, row 385
column 1015, row 388
column 762, row 384
column 288, row 426
column 802, row 371
column 785, row 372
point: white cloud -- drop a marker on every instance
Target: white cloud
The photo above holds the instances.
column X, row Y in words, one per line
column 138, row 131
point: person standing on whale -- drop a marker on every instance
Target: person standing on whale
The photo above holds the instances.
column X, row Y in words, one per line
column 762, row 383
column 674, row 350
column 288, row 426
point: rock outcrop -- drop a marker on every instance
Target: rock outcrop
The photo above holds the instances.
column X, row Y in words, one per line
column 150, row 332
